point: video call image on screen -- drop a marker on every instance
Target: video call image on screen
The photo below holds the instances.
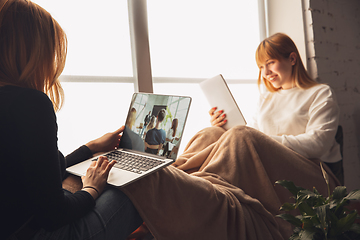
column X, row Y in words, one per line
column 158, row 120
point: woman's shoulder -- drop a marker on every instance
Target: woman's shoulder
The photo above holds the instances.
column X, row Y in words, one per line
column 320, row 87
column 16, row 91
column 316, row 90
column 321, row 90
column 24, row 98
column 25, row 94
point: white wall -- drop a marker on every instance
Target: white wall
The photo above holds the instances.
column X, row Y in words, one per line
column 333, row 29
column 286, row 16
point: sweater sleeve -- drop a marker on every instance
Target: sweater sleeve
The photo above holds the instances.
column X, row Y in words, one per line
column 36, row 126
column 79, row 155
column 319, row 136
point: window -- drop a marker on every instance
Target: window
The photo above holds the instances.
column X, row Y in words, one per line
column 194, row 40
column 97, row 78
column 189, row 41
column 202, row 38
column 98, row 36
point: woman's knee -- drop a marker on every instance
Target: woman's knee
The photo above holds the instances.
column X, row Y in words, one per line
column 112, row 196
column 212, row 131
column 114, row 202
column 241, row 130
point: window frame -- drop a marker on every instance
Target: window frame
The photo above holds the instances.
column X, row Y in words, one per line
column 142, row 76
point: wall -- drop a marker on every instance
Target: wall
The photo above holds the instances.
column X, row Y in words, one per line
column 286, row 16
column 332, row 33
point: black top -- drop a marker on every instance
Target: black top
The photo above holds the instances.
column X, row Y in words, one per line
column 32, row 168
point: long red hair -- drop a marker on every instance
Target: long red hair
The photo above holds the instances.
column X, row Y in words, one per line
column 33, row 49
column 279, row 46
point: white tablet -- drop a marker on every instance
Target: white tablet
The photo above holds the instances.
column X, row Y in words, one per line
column 218, row 95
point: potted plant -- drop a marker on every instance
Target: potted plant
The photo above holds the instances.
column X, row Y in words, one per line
column 321, row 217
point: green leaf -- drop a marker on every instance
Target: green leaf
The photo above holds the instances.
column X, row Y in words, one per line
column 322, row 215
column 291, row 219
column 333, row 218
column 346, row 222
column 307, row 193
column 287, row 207
column 305, row 209
column 294, row 237
column 339, row 210
column 307, row 234
column 339, row 193
column 333, row 204
column 353, row 195
column 311, row 222
column 321, row 218
column 311, row 198
column 289, row 185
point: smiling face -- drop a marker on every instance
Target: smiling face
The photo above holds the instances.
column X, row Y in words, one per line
column 280, row 65
column 279, row 72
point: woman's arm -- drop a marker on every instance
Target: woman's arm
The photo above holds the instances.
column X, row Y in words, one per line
column 79, row 155
column 35, row 121
column 105, row 143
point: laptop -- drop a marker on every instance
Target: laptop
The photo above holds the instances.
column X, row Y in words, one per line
column 219, row 95
column 141, row 151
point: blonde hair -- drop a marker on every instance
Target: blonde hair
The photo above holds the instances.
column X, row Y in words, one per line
column 279, row 46
column 130, row 120
column 151, row 123
column 33, row 49
column 174, row 126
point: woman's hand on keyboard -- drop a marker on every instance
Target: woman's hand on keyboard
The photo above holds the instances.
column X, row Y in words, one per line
column 107, row 142
column 96, row 176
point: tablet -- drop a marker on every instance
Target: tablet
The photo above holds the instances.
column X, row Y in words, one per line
column 218, row 95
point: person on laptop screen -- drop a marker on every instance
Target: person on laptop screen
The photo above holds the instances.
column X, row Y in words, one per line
column 155, row 138
column 33, row 203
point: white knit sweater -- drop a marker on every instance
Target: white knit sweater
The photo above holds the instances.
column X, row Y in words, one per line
column 304, row 120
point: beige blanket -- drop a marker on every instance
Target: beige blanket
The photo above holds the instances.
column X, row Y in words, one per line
column 222, row 187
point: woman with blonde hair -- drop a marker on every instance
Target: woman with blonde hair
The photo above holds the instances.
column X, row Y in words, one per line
column 34, row 205
column 225, row 188
column 170, row 137
column 296, row 111
column 151, row 125
column 131, row 118
column 279, row 47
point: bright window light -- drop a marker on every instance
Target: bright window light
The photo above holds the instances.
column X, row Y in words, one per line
column 90, row 111
column 98, row 36
column 189, row 39
column 202, row 38
column 192, row 39
column 98, row 45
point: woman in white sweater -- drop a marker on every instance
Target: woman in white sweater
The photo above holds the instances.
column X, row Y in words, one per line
column 295, row 110
column 229, row 170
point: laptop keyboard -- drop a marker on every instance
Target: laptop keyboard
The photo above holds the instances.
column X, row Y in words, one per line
column 132, row 162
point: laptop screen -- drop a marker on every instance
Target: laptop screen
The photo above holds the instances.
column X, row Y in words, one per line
column 155, row 124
